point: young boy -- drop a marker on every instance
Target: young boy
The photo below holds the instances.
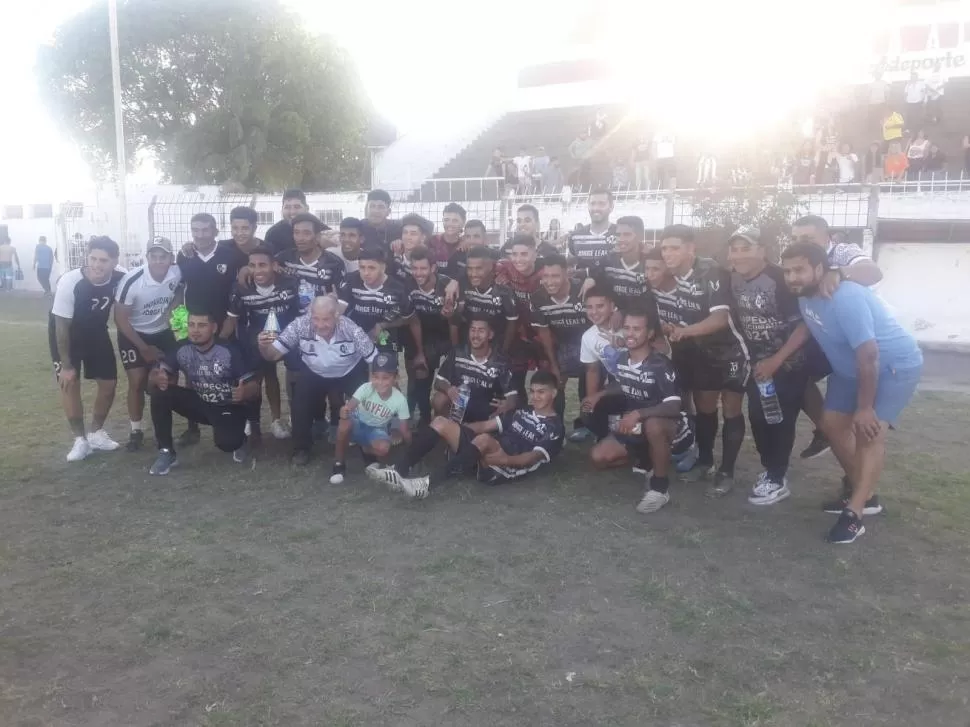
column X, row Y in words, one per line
column 526, row 440
column 366, row 418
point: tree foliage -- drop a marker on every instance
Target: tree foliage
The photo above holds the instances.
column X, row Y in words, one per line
column 220, row 92
column 771, row 209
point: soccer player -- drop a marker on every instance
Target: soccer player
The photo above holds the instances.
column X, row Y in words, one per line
column 710, row 359
column 248, row 310
column 243, row 222
column 558, row 317
column 430, row 304
column 845, row 261
column 650, row 408
column 415, row 233
column 876, row 366
column 771, row 324
column 366, row 417
column 485, row 369
column 351, row 240
column 377, row 230
column 317, row 271
column 475, row 235
column 482, row 296
column 449, row 252
column 521, row 273
column 527, row 225
column 146, row 297
column 334, row 352
column 526, row 440
column 78, row 335
column 221, row 381
column 379, row 304
column 597, row 239
column 280, row 236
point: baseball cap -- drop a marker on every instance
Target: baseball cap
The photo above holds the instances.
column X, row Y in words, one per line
column 160, row 243
column 384, row 364
column 751, row 234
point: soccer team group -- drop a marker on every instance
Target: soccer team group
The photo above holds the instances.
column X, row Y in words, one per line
column 657, row 338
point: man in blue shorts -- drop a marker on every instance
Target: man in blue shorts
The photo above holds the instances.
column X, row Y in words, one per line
column 876, row 366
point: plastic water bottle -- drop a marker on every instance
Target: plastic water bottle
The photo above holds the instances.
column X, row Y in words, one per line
column 769, row 402
column 458, row 408
column 272, row 324
column 307, row 294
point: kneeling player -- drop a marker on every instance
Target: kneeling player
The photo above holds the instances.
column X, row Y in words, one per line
column 650, row 409
column 524, row 440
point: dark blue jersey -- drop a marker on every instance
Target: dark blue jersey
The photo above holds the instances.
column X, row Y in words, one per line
column 212, row 373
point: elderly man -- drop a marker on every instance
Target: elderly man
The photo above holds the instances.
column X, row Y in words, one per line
column 334, row 353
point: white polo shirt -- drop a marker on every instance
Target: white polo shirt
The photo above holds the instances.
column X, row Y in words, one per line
column 330, row 358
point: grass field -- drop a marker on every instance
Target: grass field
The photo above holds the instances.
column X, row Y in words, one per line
column 225, row 596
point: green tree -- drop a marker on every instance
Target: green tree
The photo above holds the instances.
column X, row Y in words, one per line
column 771, row 209
column 218, row 92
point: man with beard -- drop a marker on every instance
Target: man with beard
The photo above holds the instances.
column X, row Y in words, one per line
column 597, row 239
column 482, row 296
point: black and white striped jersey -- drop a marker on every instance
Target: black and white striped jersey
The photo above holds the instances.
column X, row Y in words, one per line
column 588, row 246
column 369, row 306
column 647, row 383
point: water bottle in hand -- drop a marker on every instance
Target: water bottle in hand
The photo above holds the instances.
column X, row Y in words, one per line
column 458, row 408
column 769, row 402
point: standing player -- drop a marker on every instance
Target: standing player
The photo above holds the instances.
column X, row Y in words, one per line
column 78, row 335
column 377, row 230
column 220, row 383
column 710, row 359
column 279, row 237
column 351, row 240
column 482, row 296
column 475, row 234
column 521, row 274
column 249, row 308
column 845, row 261
column 597, row 239
column 317, row 271
column 243, row 222
column 558, row 316
column 429, row 301
column 650, row 408
column 527, row 225
column 449, row 252
column 527, row 439
column 415, row 233
column 146, row 297
column 768, row 318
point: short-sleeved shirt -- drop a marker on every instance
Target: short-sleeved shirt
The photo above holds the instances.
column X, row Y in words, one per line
column 497, row 303
column 375, row 411
column 852, row 316
column 601, row 346
column 86, row 305
column 488, row 378
column 279, row 237
column 704, row 290
column 209, row 279
column 44, row 257
column 320, row 277
column 427, row 305
column 450, row 258
column 566, row 319
column 150, row 299
column 522, row 431
column 588, row 246
column 766, row 312
column 647, row 383
column 328, row 358
column 251, row 305
column 367, row 307
column 212, row 373
column 381, row 238
column 627, row 284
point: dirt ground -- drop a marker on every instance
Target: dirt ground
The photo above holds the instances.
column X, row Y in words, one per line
column 227, row 596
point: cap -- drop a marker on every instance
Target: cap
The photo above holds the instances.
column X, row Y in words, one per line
column 751, row 234
column 384, row 364
column 161, row 243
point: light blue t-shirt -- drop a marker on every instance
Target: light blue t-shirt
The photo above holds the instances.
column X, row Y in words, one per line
column 44, row 254
column 853, row 316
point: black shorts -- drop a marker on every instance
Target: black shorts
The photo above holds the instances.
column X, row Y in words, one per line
column 698, row 370
column 91, row 354
column 131, row 357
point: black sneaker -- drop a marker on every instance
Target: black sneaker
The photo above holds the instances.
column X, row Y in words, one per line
column 873, row 506
column 337, row 476
column 164, row 463
column 135, row 440
column 190, row 436
column 300, row 458
column 846, row 529
column 819, row 446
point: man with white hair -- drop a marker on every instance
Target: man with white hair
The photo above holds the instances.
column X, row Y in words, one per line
column 334, row 353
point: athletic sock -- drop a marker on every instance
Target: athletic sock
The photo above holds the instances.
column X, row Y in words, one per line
column 732, row 437
column 136, row 426
column 422, row 442
column 467, row 455
column 705, row 434
column 659, row 484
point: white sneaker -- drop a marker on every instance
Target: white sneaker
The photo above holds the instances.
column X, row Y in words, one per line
column 100, row 440
column 248, row 429
column 386, row 476
column 279, row 429
column 80, row 450
column 768, row 492
column 653, row 501
column 416, row 487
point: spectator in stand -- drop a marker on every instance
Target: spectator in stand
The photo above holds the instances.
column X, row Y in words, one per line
column 916, row 153
column 872, row 164
column 663, row 150
column 552, row 176
column 847, row 162
column 523, row 171
column 706, row 170
column 598, row 129
column 878, row 97
column 935, row 88
column 895, row 163
column 555, row 230
column 640, row 154
column 935, row 164
column 892, row 128
column 539, row 167
column 804, row 166
column 915, row 93
column 496, row 165
column 579, row 151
